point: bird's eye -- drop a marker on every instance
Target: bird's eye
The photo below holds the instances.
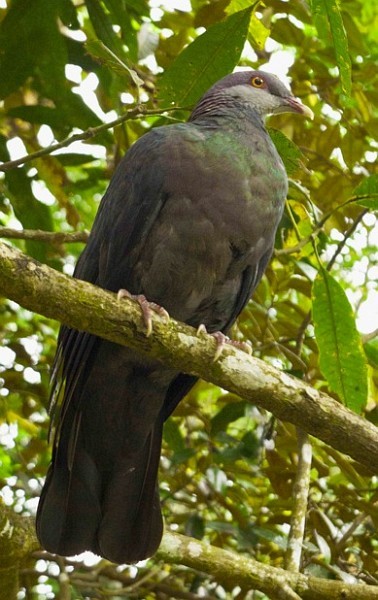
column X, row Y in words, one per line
column 257, row 82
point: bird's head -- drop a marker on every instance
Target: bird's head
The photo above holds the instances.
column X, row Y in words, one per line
column 264, row 92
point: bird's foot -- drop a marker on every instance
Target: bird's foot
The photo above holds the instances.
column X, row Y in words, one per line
column 222, row 340
column 147, row 308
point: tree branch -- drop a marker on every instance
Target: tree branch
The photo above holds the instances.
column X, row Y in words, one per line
column 132, row 113
column 232, row 569
column 348, row 234
column 18, row 540
column 84, row 306
column 39, row 235
column 300, row 496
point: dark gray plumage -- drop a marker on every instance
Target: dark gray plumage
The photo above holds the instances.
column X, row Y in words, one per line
column 188, row 220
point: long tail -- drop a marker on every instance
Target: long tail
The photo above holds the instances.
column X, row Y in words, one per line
column 115, row 513
column 101, row 490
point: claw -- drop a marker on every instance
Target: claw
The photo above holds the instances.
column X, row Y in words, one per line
column 147, row 308
column 222, row 339
column 201, row 329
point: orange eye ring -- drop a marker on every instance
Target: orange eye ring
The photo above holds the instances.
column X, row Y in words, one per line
column 257, row 82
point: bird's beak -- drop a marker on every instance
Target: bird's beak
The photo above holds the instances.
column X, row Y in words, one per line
column 294, row 105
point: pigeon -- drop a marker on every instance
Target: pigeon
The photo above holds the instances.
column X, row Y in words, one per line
column 187, row 223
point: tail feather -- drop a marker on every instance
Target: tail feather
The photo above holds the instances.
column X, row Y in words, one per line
column 101, row 490
column 115, row 514
column 132, row 526
column 69, row 511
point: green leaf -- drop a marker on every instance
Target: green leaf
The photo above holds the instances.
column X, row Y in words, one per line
column 38, row 48
column 250, row 445
column 6, row 464
column 121, row 15
column 257, row 32
column 78, row 55
column 230, row 412
column 371, row 351
column 69, row 159
column 329, row 23
column 195, row 526
column 107, row 56
column 370, row 203
column 172, row 435
column 31, row 213
column 368, row 188
column 210, row 57
column 68, row 14
column 272, row 536
column 103, row 27
column 342, row 360
column 39, row 114
column 289, row 152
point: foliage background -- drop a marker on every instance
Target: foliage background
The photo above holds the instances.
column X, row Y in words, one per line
column 227, row 469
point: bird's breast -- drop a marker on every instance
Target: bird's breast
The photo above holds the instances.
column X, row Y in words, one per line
column 223, row 204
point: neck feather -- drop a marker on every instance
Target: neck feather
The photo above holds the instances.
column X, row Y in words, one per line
column 221, row 105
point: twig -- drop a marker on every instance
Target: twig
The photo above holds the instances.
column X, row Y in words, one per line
column 319, row 228
column 302, row 332
column 137, row 111
column 38, row 235
column 341, row 543
column 367, row 337
column 303, row 242
column 147, row 582
column 329, row 162
column 64, row 580
column 286, row 593
column 347, row 235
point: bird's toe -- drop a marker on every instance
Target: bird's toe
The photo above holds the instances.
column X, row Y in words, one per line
column 222, row 340
column 147, row 308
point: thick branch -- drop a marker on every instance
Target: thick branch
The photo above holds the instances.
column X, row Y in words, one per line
column 84, row 306
column 18, row 540
column 232, row 569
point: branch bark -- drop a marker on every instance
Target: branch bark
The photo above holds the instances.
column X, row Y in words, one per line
column 17, row 541
column 84, row 306
column 232, row 569
column 300, row 496
column 39, row 235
